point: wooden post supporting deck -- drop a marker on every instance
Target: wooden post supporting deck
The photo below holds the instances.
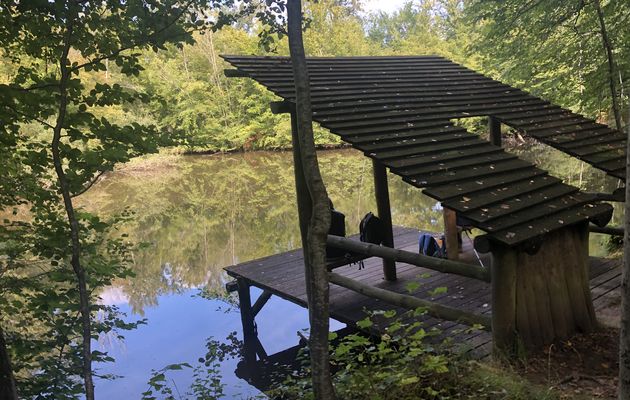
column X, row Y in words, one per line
column 494, row 126
column 451, row 234
column 250, row 338
column 381, row 191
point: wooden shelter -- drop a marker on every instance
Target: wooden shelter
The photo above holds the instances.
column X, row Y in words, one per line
column 401, row 112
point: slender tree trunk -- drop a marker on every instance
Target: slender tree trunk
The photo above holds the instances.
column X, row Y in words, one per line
column 8, row 391
column 64, row 188
column 317, row 274
column 611, row 63
column 624, row 335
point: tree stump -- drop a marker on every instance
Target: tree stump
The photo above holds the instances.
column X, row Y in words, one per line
column 539, row 298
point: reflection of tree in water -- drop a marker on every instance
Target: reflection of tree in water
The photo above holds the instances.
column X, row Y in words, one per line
column 200, row 214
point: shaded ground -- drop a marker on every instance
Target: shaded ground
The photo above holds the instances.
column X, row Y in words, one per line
column 583, row 367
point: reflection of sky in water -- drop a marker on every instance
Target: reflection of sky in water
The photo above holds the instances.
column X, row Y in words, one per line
column 177, row 331
column 200, row 214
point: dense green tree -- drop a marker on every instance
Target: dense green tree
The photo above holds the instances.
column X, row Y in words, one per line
column 53, row 260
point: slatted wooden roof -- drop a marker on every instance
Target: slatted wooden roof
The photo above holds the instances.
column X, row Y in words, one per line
column 399, row 110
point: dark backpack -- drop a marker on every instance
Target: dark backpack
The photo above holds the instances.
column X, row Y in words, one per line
column 337, row 228
column 428, row 246
column 371, row 229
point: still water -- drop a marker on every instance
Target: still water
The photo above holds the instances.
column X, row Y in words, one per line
column 198, row 214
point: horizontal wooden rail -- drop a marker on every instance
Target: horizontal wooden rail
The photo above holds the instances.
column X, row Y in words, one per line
column 402, row 300
column 618, row 195
column 608, row 230
column 436, row 264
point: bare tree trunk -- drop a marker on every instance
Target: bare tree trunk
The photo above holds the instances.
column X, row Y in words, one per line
column 624, row 335
column 64, row 188
column 8, row 391
column 316, row 273
column 611, row 63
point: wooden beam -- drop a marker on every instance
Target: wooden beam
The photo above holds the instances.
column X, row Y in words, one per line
column 494, row 127
column 451, row 234
column 381, row 190
column 618, row 196
column 260, row 302
column 402, row 300
column 281, row 107
column 608, row 230
column 234, row 73
column 436, row 264
column 247, row 319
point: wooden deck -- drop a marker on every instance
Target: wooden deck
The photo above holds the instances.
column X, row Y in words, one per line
column 283, row 275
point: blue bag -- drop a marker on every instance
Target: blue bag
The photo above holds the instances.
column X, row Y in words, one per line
column 428, row 246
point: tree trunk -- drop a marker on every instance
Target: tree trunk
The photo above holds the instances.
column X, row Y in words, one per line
column 8, row 391
column 542, row 297
column 64, row 188
column 624, row 334
column 611, row 63
column 316, row 273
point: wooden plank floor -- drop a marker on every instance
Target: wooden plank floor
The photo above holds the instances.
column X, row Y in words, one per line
column 283, row 275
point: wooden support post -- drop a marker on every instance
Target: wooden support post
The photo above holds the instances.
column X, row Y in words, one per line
column 381, row 190
column 494, row 126
column 451, row 235
column 247, row 319
column 503, row 280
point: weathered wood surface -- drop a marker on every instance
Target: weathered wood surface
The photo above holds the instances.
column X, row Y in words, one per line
column 399, row 111
column 283, row 275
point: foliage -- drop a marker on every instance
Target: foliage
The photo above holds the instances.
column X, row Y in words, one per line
column 408, row 362
column 59, row 135
column 553, row 48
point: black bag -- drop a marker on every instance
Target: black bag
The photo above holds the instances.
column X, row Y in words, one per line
column 337, row 228
column 371, row 229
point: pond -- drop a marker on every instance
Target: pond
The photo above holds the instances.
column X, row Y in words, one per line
column 199, row 214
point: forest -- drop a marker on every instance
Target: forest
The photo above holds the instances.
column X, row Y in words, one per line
column 87, row 87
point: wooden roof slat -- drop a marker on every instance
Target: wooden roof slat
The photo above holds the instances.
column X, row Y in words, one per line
column 566, row 217
column 539, row 197
column 563, row 126
column 351, row 78
column 461, row 162
column 466, row 173
column 424, row 150
column 529, row 213
column 615, row 164
column 402, row 104
column 440, row 127
column 380, row 144
column 449, row 191
column 392, row 89
column 407, row 93
column 567, row 139
column 472, row 201
column 607, row 137
column 588, row 151
column 416, row 160
column 605, row 158
column 413, row 115
column 391, row 129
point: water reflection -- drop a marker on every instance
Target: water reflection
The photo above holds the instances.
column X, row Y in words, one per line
column 198, row 214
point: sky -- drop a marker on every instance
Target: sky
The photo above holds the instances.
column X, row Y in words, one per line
column 387, row 6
